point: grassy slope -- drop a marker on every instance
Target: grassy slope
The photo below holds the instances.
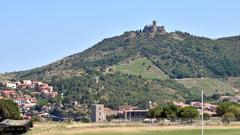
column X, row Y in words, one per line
column 212, row 85
column 141, row 66
column 5, row 77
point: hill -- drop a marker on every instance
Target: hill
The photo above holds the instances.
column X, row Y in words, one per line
column 141, row 65
column 177, row 54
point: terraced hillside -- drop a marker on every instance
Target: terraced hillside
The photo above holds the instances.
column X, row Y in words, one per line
column 212, row 85
column 141, row 67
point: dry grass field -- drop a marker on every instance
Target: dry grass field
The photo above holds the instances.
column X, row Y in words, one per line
column 124, row 129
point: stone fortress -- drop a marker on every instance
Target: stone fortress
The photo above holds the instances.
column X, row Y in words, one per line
column 154, row 28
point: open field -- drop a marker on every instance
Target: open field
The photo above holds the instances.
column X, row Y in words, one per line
column 91, row 129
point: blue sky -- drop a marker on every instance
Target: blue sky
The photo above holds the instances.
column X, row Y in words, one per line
column 37, row 32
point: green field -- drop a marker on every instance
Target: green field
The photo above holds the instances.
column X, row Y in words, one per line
column 141, row 66
column 93, row 129
column 212, row 85
column 174, row 132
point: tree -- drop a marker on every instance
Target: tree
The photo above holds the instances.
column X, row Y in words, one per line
column 228, row 117
column 156, row 112
column 189, row 113
column 9, row 110
column 206, row 116
column 170, row 112
column 228, row 111
column 228, row 107
column 216, row 96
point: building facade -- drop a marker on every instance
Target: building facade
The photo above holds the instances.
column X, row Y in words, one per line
column 97, row 113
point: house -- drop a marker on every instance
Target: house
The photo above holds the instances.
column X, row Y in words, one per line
column 47, row 94
column 11, row 85
column 97, row 113
column 180, row 104
column 24, row 86
column 131, row 112
column 27, row 82
column 20, row 101
column 8, row 93
column 136, row 114
column 25, row 103
column 208, row 108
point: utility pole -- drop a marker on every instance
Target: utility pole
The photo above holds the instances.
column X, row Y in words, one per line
column 202, row 113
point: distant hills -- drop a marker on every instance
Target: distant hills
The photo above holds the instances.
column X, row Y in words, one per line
column 141, row 65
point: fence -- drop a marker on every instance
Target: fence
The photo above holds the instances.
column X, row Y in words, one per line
column 213, row 121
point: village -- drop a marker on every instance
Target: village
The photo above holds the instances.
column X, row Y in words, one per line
column 26, row 93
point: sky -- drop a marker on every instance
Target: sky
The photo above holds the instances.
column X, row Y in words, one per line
column 34, row 33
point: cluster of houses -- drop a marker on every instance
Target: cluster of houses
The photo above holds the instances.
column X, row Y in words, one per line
column 16, row 91
column 40, row 88
column 207, row 107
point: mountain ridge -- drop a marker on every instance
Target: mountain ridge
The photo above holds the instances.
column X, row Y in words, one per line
column 93, row 54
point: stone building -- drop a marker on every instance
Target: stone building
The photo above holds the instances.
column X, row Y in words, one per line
column 97, row 113
column 154, row 28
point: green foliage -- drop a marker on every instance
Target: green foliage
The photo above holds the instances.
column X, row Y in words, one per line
column 171, row 112
column 117, row 89
column 168, row 111
column 9, row 110
column 228, row 117
column 156, row 112
column 42, row 102
column 228, row 110
column 189, row 113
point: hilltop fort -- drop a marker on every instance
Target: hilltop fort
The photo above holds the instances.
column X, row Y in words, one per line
column 154, row 28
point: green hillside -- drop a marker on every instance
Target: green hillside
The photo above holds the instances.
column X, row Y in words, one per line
column 141, row 66
column 119, row 89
